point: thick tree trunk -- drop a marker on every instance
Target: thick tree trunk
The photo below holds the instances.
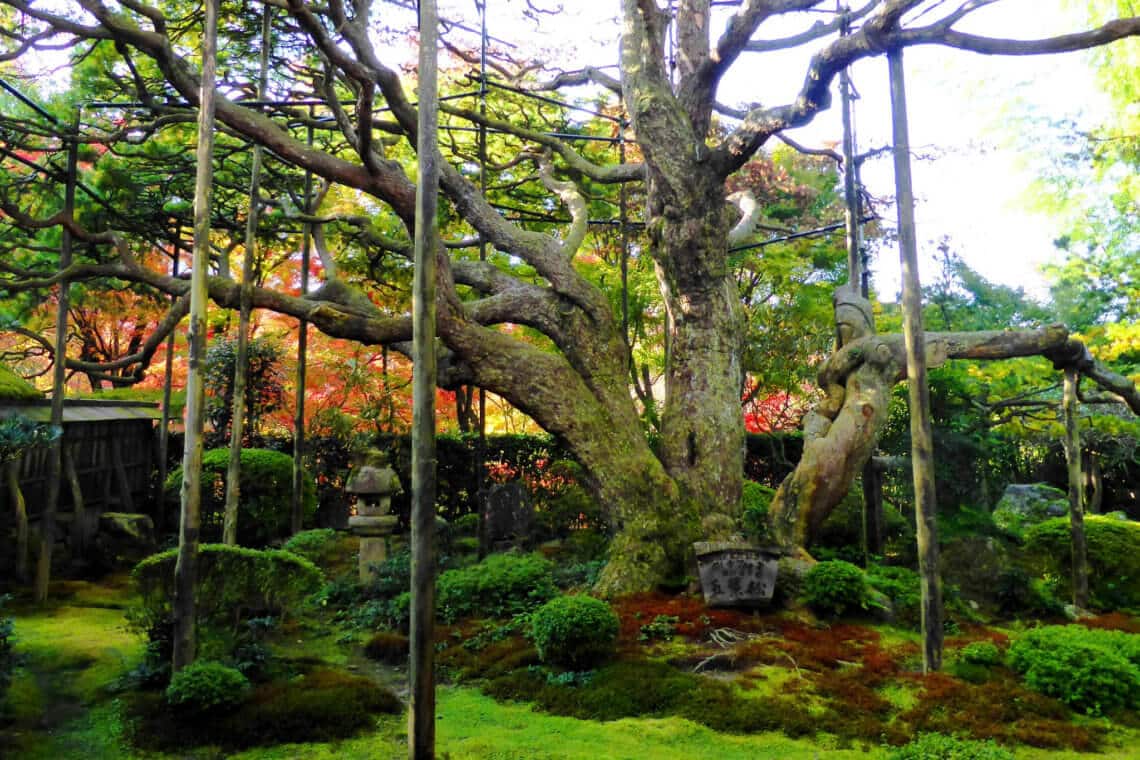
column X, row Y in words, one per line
column 841, row 433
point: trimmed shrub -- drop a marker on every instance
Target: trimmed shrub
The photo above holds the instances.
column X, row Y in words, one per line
column 942, row 747
column 311, row 544
column 500, row 586
column 904, row 587
column 754, row 502
column 836, row 588
column 577, row 632
column 266, row 491
column 1088, row 669
column 981, row 653
column 205, row 686
column 233, row 583
column 1113, row 556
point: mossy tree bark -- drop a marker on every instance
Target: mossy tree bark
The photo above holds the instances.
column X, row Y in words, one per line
column 840, row 434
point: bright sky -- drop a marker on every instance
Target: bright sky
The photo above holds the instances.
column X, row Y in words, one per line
column 962, row 104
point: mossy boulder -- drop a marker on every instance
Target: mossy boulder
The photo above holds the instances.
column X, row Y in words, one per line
column 124, row 539
column 1113, row 557
column 1024, row 505
column 972, row 563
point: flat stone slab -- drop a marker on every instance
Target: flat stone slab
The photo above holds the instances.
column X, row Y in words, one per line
column 372, row 525
column 736, row 575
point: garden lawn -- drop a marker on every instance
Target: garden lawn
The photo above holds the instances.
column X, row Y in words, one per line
column 63, row 706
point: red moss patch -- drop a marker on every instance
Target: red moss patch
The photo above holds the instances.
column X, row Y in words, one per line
column 816, row 649
column 1113, row 621
column 1000, row 710
column 972, row 632
column 694, row 618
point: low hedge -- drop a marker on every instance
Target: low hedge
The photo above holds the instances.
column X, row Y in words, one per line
column 233, row 583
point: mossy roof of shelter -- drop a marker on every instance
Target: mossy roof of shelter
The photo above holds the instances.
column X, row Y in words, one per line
column 15, row 388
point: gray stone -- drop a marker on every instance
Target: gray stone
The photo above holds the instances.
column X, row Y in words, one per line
column 1027, row 504
column 123, row 539
column 736, row 574
column 509, row 515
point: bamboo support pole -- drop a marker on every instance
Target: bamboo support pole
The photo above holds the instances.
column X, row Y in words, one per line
column 421, row 716
column 186, row 565
column 922, row 438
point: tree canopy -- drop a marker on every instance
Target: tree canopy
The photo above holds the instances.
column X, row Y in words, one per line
column 538, row 161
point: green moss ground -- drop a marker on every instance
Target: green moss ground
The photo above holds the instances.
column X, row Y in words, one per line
column 62, row 706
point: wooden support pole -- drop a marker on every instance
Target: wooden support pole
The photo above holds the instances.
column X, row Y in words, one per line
column 186, row 565
column 245, row 310
column 297, row 495
column 58, row 385
column 421, row 716
column 922, row 438
column 1076, row 490
column 167, row 393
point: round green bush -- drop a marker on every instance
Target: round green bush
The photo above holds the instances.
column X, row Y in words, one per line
column 500, row 586
column 942, row 747
column 313, row 545
column 1113, row 557
column 574, row 631
column 206, row 686
column 836, row 587
column 980, row 653
column 266, row 492
column 1090, row 670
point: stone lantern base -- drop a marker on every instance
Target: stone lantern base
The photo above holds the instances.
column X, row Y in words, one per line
column 374, row 531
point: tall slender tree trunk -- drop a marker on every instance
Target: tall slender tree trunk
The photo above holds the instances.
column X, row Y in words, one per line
column 59, row 386
column 186, row 565
column 921, row 435
column 421, row 716
column 1076, row 490
column 241, row 363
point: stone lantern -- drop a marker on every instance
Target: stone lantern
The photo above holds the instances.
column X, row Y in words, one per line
column 373, row 482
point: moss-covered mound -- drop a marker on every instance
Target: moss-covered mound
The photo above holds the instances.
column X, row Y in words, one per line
column 15, row 388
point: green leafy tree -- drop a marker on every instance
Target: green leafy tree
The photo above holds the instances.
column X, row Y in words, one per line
column 265, row 389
